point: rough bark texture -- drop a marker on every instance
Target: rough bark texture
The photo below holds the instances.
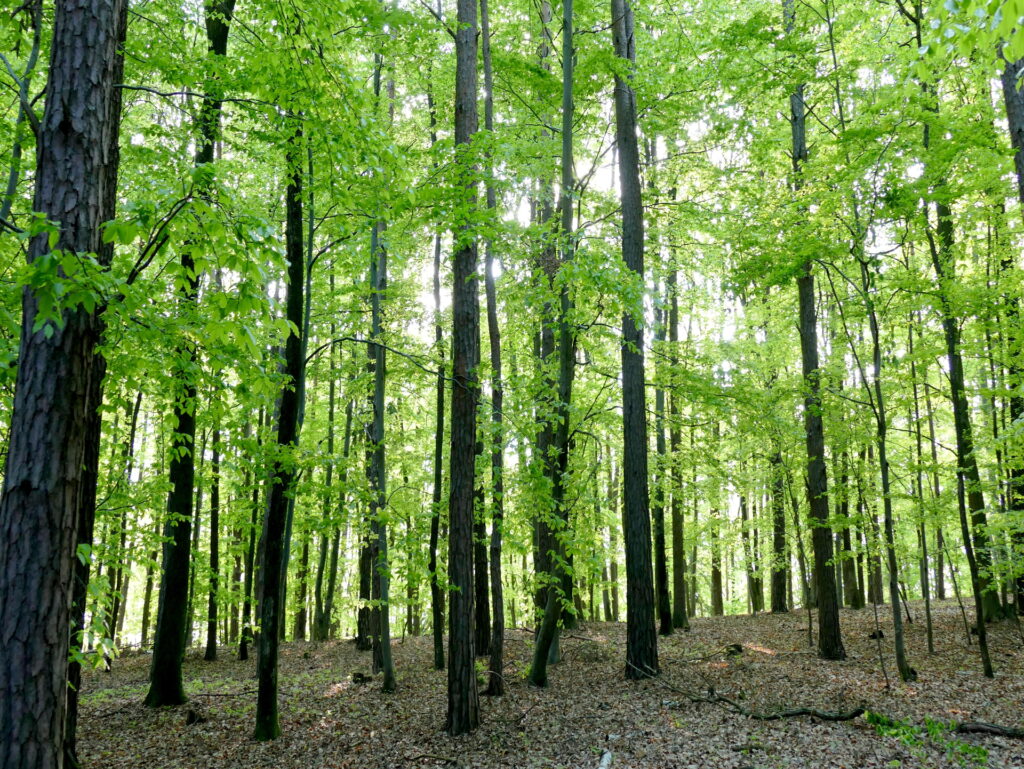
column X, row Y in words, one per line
column 463, row 699
column 57, row 388
column 641, row 638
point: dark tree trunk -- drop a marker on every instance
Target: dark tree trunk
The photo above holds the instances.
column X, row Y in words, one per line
column 546, row 648
column 1014, row 100
column 321, row 617
column 641, row 637
column 283, row 472
column 780, row 553
column 496, row 682
column 463, row 700
column 80, row 586
column 481, row 582
column 378, row 469
column 211, row 609
column 48, row 499
column 172, row 621
column 830, row 642
column 301, row 593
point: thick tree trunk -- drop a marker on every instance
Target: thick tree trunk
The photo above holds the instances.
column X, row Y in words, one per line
column 283, row 473
column 463, row 700
column 641, row 637
column 48, row 497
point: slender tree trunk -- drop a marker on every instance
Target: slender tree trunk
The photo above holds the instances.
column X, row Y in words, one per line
column 680, row 616
column 173, row 621
column 211, row 609
column 780, row 553
column 283, row 472
column 658, row 513
column 250, row 557
column 496, row 682
column 1014, row 102
column 830, row 642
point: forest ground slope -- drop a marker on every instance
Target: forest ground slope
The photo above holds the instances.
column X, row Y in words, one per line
column 589, row 708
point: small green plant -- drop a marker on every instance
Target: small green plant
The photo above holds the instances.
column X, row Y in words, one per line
column 939, row 733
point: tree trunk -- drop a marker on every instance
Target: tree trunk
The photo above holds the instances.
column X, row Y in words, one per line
column 48, row 499
column 1014, row 100
column 463, row 700
column 211, row 609
column 172, row 622
column 641, row 638
column 283, row 471
column 830, row 642
column 496, row 682
column 780, row 554
column 680, row 616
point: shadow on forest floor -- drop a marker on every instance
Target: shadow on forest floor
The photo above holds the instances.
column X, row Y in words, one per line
column 589, row 708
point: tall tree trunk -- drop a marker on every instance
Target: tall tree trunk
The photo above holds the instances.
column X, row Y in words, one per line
column 321, row 617
column 1013, row 97
column 50, row 475
column 378, row 469
column 561, row 588
column 436, row 594
column 172, row 621
column 463, row 700
column 283, row 471
column 496, row 682
column 830, row 642
column 641, row 638
column 658, row 513
column 211, row 609
column 680, row 616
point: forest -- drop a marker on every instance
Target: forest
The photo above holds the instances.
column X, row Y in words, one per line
column 527, row 383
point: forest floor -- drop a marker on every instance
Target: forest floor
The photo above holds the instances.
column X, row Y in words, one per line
column 588, row 709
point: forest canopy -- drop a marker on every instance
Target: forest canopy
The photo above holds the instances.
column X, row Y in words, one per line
column 369, row 320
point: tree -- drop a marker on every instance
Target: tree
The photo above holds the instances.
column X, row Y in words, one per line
column 173, row 619
column 282, row 477
column 50, row 464
column 641, row 639
column 463, row 699
column 830, row 642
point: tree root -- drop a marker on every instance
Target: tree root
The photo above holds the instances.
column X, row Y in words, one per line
column 980, row 727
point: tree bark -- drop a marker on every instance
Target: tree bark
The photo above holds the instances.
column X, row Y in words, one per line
column 830, row 642
column 52, row 453
column 283, row 472
column 641, row 638
column 172, row 622
column 463, row 699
